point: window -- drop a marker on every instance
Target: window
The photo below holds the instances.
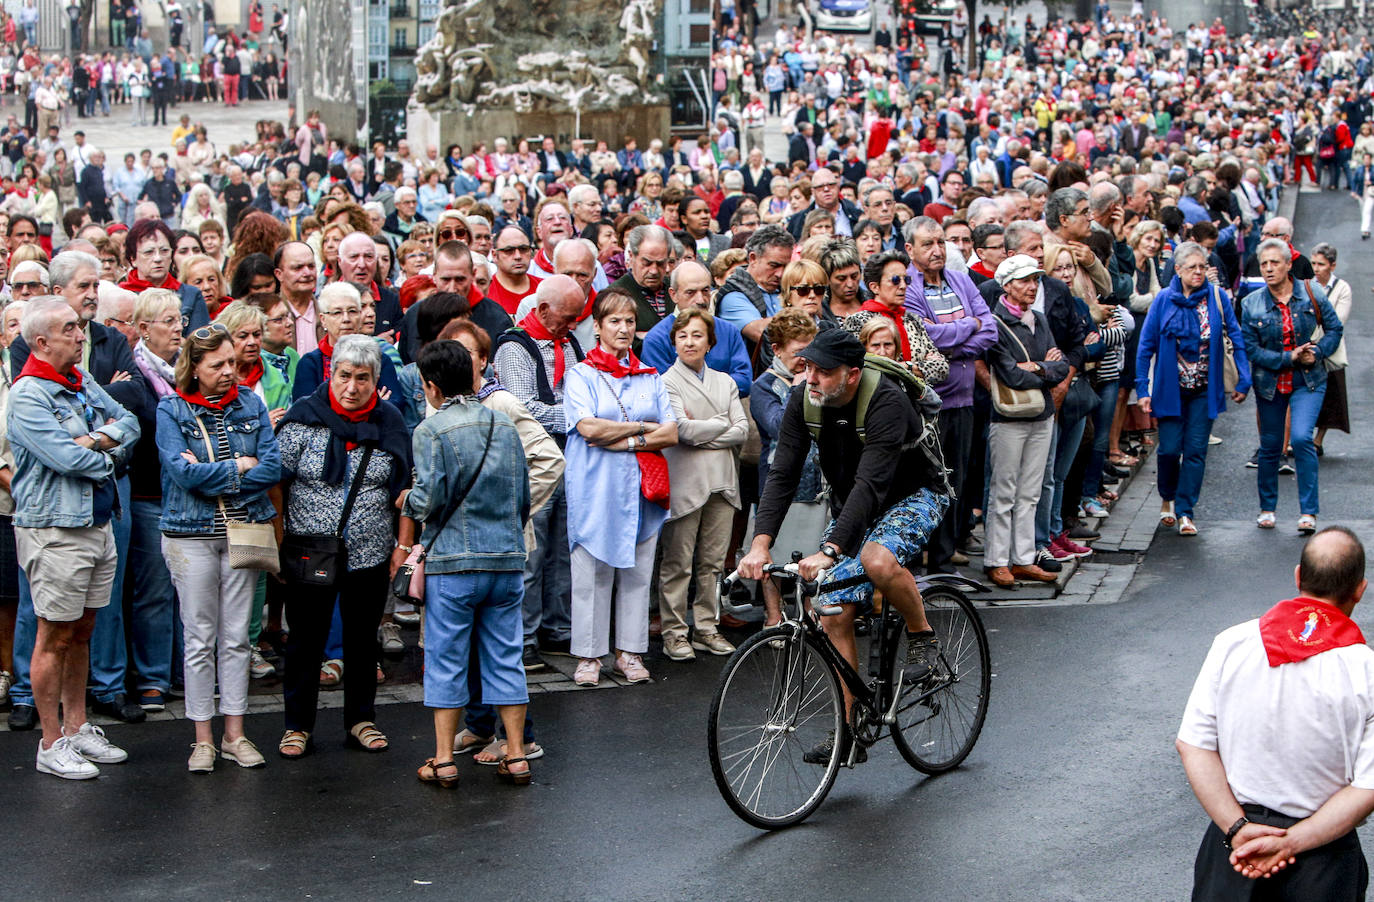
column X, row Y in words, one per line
column 429, row 10
column 425, row 33
column 400, row 38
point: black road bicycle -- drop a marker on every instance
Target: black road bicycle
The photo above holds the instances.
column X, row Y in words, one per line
column 779, row 698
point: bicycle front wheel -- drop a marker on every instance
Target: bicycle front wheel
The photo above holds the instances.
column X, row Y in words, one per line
column 777, row 701
column 939, row 722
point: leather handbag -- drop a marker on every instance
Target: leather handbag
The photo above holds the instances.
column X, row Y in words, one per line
column 1319, row 332
column 408, row 585
column 1230, row 372
column 252, row 546
column 316, row 560
column 1014, row 403
column 653, row 466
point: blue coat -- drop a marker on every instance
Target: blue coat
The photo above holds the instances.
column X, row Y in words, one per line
column 728, row 355
column 1262, row 326
column 1158, row 345
column 310, row 373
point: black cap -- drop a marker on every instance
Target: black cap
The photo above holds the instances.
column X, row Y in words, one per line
column 832, row 348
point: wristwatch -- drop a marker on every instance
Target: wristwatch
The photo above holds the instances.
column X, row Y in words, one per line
column 1235, row 828
column 830, row 551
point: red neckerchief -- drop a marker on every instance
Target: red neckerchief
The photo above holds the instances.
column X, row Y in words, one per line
column 542, row 261
column 898, row 325
column 353, row 416
column 538, row 332
column 376, row 292
column 134, row 282
column 200, row 400
column 599, row 359
column 254, row 375
column 1296, row 629
column 587, row 310
column 44, row 370
column 326, row 347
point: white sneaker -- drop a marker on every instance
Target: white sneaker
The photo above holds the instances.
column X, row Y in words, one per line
column 390, row 636
column 676, row 648
column 202, row 760
column 63, row 761
column 242, row 752
column 259, row 666
column 90, row 743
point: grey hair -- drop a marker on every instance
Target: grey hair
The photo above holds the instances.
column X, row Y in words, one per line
column 982, row 206
column 1195, row 186
column 1035, row 188
column 1016, row 232
column 109, row 297
column 672, row 277
column 30, row 265
column 875, row 186
column 67, row 264
column 1102, row 196
column 1143, row 228
column 920, row 224
column 39, row 316
column 640, row 234
column 581, row 192
column 358, row 350
column 769, row 236
column 1326, row 250
column 1061, row 204
column 732, row 180
column 1189, row 249
column 561, row 250
column 1272, row 244
column 342, row 290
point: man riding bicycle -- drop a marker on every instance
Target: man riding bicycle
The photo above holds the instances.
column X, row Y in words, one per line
column 889, row 490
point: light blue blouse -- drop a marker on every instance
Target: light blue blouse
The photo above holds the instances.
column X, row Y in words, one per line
column 602, row 487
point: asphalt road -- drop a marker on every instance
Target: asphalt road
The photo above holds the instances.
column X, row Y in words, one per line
column 1073, row 793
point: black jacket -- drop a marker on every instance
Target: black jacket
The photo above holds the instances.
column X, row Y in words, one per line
column 1003, row 357
column 760, row 189
column 797, row 151
column 487, row 313
column 162, row 192
column 90, row 189
column 867, row 478
column 1059, row 310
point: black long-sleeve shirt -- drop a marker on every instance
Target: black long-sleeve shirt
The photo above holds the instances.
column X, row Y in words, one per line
column 866, row 478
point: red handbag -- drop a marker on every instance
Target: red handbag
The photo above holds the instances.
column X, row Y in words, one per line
column 653, row 467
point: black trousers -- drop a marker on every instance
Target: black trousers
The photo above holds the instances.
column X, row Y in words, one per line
column 361, row 597
column 956, row 440
column 1335, row 872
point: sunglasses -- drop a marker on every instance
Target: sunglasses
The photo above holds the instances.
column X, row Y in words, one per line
column 902, row 279
column 453, row 235
column 805, row 291
column 515, row 249
column 204, row 333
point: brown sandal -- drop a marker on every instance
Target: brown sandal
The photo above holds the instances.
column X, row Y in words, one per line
column 429, row 773
column 295, row 744
column 363, row 734
column 522, row 778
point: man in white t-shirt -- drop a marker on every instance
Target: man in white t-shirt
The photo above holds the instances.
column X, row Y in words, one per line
column 1278, row 740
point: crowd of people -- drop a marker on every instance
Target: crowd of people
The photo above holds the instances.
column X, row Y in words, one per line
column 1076, row 249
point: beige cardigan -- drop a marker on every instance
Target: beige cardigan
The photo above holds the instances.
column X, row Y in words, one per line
column 542, row 455
column 711, row 429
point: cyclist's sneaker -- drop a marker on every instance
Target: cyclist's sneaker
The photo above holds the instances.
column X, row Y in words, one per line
column 820, row 753
column 922, row 656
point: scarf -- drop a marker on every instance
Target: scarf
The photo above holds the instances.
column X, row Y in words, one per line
column 600, row 359
column 489, row 388
column 353, row 416
column 538, row 332
column 382, row 427
column 254, row 375
column 44, row 370
column 542, row 261
column 160, row 374
column 897, row 315
column 196, row 399
column 1296, row 629
column 1183, row 326
column 326, row 347
column 136, row 283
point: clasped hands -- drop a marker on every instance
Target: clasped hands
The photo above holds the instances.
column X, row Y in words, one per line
column 1259, row 850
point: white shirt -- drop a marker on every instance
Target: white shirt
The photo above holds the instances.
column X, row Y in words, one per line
column 1291, row 736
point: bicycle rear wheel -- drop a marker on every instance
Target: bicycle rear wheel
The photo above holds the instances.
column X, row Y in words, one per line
column 777, row 700
column 938, row 724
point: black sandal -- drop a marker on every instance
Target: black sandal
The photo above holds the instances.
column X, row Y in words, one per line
column 429, row 773
column 503, row 772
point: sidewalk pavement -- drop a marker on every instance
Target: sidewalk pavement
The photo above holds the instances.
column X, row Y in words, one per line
column 112, row 134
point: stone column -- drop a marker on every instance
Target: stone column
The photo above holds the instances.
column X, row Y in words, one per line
column 320, row 56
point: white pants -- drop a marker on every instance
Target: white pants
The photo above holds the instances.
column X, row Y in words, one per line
column 216, row 604
column 593, row 584
column 1019, row 451
column 1366, row 211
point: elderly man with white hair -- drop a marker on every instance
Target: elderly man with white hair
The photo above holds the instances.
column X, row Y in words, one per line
column 341, row 313
column 586, row 206
column 28, row 279
column 405, row 216
column 576, row 258
column 115, row 310
column 358, row 264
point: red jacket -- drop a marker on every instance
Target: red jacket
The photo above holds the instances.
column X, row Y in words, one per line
column 1343, row 139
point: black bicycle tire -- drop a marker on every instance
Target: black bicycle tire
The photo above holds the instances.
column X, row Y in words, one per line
column 727, row 793
column 907, row 750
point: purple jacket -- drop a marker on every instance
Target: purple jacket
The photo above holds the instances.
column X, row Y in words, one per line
column 962, row 340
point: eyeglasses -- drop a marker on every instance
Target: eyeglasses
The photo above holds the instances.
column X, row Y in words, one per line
column 805, row 291
column 26, row 286
column 342, row 311
column 204, row 333
column 515, row 249
column 902, row 279
column 284, row 318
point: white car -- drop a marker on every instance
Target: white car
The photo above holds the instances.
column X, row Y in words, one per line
column 844, row 15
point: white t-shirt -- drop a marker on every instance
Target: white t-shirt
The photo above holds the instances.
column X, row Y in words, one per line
column 1290, row 736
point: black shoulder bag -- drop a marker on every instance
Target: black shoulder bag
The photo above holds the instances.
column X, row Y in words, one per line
column 408, row 585
column 312, row 560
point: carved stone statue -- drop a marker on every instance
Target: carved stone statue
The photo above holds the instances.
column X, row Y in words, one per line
column 594, row 64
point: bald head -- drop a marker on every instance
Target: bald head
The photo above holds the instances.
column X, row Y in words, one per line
column 690, row 286
column 358, row 258
column 1332, row 567
column 576, row 258
column 1278, row 227
column 559, row 303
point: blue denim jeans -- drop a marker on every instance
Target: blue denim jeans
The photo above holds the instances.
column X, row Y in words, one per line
column 1304, row 404
column 1102, row 435
column 1183, row 453
column 548, row 574
column 151, row 623
column 475, row 610
column 1049, row 518
column 109, row 658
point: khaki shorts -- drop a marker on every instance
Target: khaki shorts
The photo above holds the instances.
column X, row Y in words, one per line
column 69, row 570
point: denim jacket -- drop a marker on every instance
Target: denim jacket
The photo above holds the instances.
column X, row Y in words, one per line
column 1262, row 325
column 486, row 532
column 54, row 477
column 189, row 491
